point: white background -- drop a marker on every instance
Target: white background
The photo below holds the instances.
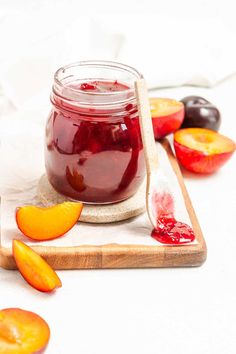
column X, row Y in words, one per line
column 149, row 311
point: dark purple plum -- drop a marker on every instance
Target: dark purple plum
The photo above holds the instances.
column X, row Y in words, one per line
column 200, row 113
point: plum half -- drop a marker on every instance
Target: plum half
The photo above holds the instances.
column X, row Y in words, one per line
column 167, row 116
column 22, row 332
column 202, row 150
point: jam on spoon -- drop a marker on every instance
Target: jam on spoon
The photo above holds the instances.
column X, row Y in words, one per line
column 169, row 230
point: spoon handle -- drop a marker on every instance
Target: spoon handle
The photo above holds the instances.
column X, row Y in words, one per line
column 145, row 120
column 149, row 146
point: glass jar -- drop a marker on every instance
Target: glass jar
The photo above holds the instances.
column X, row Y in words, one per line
column 93, row 150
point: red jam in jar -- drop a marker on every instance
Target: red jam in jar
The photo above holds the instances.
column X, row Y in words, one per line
column 93, row 150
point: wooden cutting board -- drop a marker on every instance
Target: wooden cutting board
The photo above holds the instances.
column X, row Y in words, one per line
column 125, row 256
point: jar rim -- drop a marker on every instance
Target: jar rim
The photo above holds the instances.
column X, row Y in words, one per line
column 99, row 63
column 101, row 98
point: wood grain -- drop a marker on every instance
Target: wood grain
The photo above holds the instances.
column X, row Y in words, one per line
column 125, row 256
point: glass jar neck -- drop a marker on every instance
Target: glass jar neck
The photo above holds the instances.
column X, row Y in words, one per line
column 69, row 94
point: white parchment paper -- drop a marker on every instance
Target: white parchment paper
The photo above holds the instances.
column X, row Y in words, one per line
column 22, row 166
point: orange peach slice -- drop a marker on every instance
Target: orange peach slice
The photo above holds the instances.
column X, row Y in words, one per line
column 22, row 332
column 43, row 224
column 34, row 269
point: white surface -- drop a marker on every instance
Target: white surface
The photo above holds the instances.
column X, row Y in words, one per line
column 151, row 311
column 166, row 311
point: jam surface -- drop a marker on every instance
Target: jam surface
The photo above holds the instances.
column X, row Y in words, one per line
column 102, row 86
column 169, row 230
column 94, row 155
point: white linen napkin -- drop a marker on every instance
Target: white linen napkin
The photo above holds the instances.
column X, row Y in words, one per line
column 175, row 50
column 39, row 43
column 170, row 50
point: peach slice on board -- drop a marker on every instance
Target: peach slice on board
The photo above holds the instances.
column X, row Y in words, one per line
column 22, row 332
column 34, row 269
column 202, row 150
column 167, row 116
column 43, row 224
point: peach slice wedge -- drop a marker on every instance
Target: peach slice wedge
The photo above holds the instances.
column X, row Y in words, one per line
column 22, row 332
column 43, row 224
column 34, row 269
